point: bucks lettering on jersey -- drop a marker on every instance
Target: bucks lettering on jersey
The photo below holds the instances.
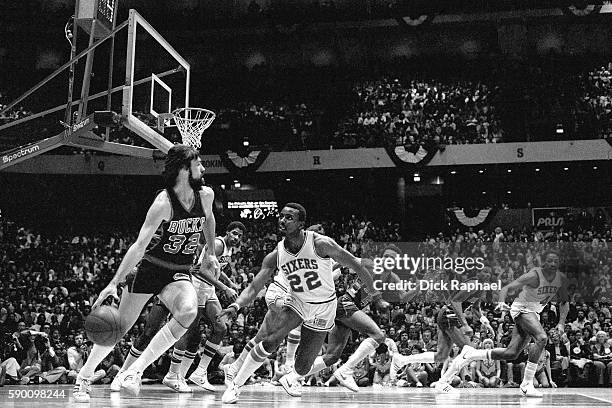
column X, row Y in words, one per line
column 176, row 240
column 224, row 260
column 535, row 299
column 307, row 275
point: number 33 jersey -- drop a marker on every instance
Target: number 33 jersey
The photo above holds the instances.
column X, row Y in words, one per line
column 306, row 274
column 176, row 241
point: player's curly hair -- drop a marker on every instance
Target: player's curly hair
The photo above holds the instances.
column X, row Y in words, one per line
column 235, row 224
column 179, row 157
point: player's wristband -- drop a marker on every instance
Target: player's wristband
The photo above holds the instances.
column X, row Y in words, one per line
column 235, row 306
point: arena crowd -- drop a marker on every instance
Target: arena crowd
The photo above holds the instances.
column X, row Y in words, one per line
column 48, row 284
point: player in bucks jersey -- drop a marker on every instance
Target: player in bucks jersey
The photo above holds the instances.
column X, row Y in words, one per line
column 178, row 219
column 538, row 287
column 304, row 260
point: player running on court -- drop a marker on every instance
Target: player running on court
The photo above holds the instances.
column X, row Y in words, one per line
column 538, row 287
column 304, row 260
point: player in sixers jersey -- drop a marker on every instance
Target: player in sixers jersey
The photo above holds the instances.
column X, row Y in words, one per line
column 206, row 282
column 178, row 219
column 349, row 317
column 538, row 287
column 304, row 260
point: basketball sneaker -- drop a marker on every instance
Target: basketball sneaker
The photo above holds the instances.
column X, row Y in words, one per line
column 176, row 383
column 200, row 378
column 345, row 378
column 291, row 386
column 229, row 374
column 116, row 385
column 130, row 381
column 528, row 390
column 445, row 388
column 397, row 364
column 82, row 389
column 231, row 394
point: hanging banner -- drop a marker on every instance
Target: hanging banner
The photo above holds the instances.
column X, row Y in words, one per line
column 245, row 162
column 413, row 156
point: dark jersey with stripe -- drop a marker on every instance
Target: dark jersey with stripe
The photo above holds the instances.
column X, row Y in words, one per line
column 176, row 241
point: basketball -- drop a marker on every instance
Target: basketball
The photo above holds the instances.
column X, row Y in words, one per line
column 103, row 326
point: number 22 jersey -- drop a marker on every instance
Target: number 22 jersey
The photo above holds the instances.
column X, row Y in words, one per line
column 306, row 274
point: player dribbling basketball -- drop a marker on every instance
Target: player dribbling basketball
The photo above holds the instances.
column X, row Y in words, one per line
column 175, row 223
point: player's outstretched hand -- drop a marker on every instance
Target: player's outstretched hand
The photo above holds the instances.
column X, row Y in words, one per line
column 230, row 295
column 227, row 315
column 109, row 290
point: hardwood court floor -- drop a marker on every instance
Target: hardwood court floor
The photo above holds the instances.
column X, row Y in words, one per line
column 159, row 396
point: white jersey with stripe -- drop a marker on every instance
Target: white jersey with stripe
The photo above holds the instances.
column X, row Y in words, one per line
column 535, row 299
column 306, row 275
column 224, row 259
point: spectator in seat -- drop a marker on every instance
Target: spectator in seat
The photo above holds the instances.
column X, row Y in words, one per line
column 602, row 357
column 559, row 357
column 581, row 363
column 488, row 372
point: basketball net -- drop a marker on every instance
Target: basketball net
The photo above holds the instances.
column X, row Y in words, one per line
column 192, row 122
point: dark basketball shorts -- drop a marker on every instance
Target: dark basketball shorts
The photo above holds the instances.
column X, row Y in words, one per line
column 345, row 307
column 150, row 278
column 447, row 319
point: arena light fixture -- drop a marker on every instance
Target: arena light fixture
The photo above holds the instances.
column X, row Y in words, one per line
column 222, row 186
column 453, row 172
column 537, row 169
column 509, row 170
column 416, row 177
column 566, row 168
column 508, row 192
column 351, row 177
column 287, row 179
column 480, row 171
column 594, row 167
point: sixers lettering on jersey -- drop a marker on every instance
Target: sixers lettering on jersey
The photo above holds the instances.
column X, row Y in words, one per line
column 176, row 240
column 306, row 274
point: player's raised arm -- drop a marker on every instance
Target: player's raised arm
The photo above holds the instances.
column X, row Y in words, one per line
column 158, row 212
column 268, row 267
column 326, row 246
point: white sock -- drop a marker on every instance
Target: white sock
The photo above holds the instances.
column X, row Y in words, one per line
column 251, row 363
column 293, row 341
column 318, row 365
column 480, row 354
column 97, row 354
column 530, row 370
column 161, row 342
column 186, row 363
column 426, row 357
column 131, row 357
column 236, row 365
column 209, row 352
column 365, row 349
column 176, row 360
